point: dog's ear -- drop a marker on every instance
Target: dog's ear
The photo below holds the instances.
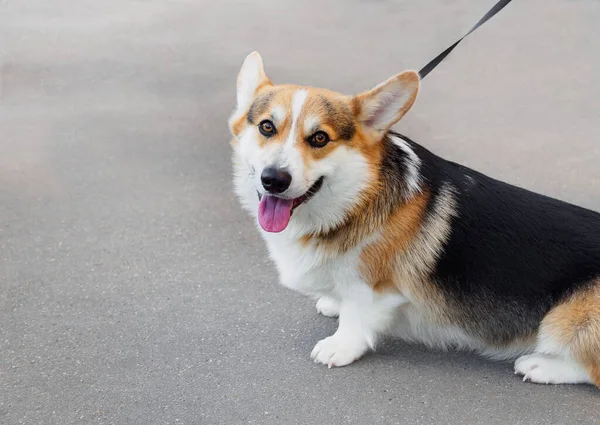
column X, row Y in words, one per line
column 252, row 76
column 378, row 109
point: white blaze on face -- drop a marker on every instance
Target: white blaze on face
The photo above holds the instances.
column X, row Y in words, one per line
column 290, row 158
column 297, row 103
column 274, row 212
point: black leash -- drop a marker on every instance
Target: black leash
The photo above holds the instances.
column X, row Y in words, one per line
column 436, row 61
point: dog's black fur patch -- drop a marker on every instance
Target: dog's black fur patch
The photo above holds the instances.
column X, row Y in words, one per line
column 512, row 254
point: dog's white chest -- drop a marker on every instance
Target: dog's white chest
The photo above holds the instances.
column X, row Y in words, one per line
column 310, row 270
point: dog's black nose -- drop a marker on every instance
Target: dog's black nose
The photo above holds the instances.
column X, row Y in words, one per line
column 275, row 180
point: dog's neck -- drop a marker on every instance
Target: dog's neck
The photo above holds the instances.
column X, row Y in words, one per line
column 389, row 200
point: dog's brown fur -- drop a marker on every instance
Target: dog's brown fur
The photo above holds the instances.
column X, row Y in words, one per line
column 575, row 323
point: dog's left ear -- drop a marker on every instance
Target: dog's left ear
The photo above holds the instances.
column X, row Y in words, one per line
column 252, row 76
column 379, row 109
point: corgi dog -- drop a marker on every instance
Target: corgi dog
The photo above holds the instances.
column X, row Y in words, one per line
column 397, row 241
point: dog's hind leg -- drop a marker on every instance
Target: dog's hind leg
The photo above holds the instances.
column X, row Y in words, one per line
column 568, row 348
column 547, row 369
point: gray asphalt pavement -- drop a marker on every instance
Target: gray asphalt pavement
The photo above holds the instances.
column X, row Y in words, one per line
column 134, row 290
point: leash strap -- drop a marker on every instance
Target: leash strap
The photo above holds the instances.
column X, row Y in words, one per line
column 436, row 61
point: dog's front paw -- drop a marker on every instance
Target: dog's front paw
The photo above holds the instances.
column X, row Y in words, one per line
column 328, row 307
column 337, row 351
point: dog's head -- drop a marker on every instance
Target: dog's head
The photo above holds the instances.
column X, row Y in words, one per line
column 308, row 151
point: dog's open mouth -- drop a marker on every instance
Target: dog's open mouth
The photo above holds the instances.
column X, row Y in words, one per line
column 274, row 213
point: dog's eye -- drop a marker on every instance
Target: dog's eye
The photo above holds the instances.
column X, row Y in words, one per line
column 266, row 128
column 319, row 139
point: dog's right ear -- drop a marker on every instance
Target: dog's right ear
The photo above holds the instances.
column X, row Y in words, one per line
column 252, row 77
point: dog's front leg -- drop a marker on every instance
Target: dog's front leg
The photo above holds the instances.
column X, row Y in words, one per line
column 364, row 316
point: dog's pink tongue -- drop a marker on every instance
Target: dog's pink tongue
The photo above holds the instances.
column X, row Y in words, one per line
column 274, row 213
